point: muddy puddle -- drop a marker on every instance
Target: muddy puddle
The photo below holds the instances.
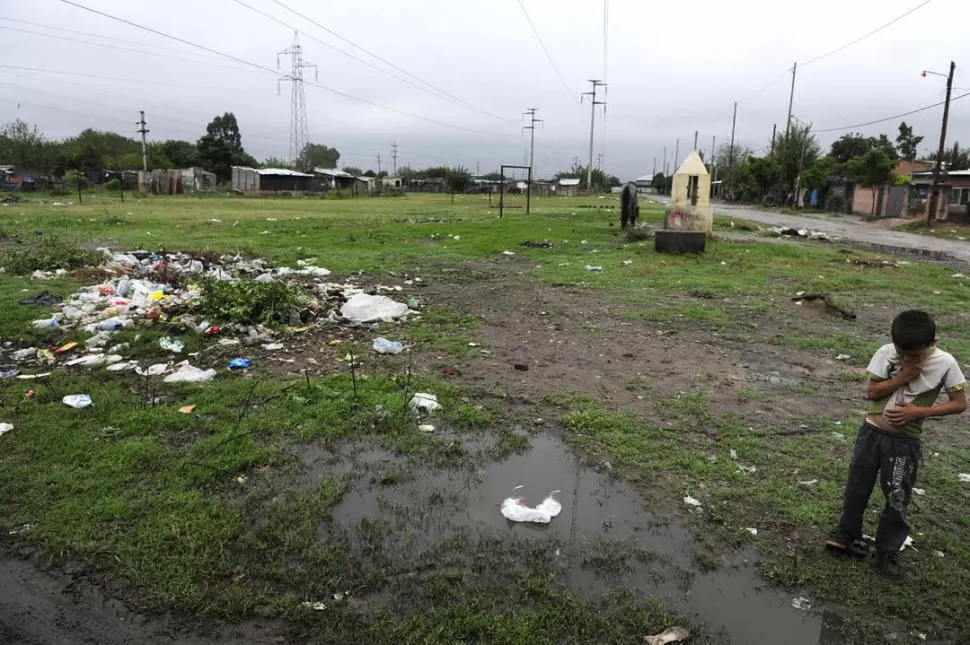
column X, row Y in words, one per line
column 605, row 536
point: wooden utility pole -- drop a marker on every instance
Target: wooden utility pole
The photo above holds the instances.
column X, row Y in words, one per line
column 938, row 167
column 734, row 120
column 531, row 112
column 774, row 130
column 676, row 156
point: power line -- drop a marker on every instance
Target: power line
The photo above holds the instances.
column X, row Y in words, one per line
column 548, row 55
column 864, row 36
column 270, row 70
column 775, row 81
column 893, row 117
column 436, row 90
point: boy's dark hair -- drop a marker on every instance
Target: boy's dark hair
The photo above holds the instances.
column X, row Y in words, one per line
column 913, row 329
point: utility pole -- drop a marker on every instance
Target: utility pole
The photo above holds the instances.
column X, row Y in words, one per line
column 378, row 165
column 299, row 134
column 676, row 156
column 531, row 112
column 774, row 130
column 144, row 146
column 654, row 167
column 394, row 156
column 734, row 120
column 695, row 139
column 935, row 194
column 592, row 124
column 665, row 161
column 713, row 167
column 791, row 100
column 478, row 169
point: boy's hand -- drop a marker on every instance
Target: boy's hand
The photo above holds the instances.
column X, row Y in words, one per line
column 910, row 371
column 906, row 414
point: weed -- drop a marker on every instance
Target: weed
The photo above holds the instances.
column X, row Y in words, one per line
column 247, row 301
column 48, row 254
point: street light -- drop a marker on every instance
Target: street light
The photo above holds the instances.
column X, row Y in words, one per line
column 935, row 194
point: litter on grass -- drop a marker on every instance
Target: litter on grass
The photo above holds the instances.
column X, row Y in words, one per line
column 316, row 606
column 187, row 409
column 424, row 402
column 5, row 428
column 801, row 602
column 188, row 374
column 170, row 344
column 808, row 482
column 77, row 400
column 426, row 427
column 514, row 510
column 672, row 635
column 385, row 346
column 752, row 531
column 239, row 363
column 964, row 478
column 690, row 501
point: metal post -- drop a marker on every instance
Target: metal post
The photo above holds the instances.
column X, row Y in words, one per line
column 592, row 122
column 935, row 194
column 528, row 194
column 695, row 139
column 677, row 156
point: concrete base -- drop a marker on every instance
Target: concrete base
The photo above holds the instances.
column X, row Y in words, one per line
column 680, row 241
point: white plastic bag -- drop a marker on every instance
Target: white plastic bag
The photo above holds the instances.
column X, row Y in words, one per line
column 385, row 346
column 189, row 374
column 363, row 308
column 515, row 511
column 5, row 428
column 424, row 402
column 77, row 400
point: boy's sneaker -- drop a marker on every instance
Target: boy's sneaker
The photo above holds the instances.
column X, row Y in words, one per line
column 839, row 540
column 890, row 564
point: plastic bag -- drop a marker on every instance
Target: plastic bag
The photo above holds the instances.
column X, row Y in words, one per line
column 363, row 308
column 77, row 400
column 189, row 374
column 424, row 402
column 170, row 344
column 384, row 346
column 515, row 511
column 239, row 363
column 672, row 635
column 5, row 428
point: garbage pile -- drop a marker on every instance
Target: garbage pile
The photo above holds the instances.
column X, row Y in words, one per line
column 799, row 233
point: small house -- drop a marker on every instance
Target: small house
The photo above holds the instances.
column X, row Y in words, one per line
column 568, row 187
column 270, row 180
column 334, row 179
column 197, row 180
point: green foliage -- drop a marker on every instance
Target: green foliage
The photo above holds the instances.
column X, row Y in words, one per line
column 458, row 179
column 112, row 185
column 247, row 301
column 181, row 154
column 578, row 171
column 849, row 146
column 757, row 177
column 817, row 176
column 315, row 155
column 873, row 168
column 794, row 151
column 906, row 142
column 353, row 170
column 75, row 178
column 47, row 254
column 221, row 147
column 660, row 183
column 955, row 158
column 901, row 180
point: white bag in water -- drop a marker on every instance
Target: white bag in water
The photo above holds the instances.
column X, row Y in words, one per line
column 514, row 510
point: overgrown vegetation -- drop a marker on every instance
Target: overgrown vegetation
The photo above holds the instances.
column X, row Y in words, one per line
column 247, row 301
column 48, row 253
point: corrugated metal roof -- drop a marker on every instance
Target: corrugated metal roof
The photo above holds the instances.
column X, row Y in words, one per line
column 282, row 171
column 944, row 174
column 565, row 181
column 332, row 172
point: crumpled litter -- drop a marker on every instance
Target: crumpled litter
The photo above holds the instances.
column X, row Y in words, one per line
column 44, row 298
column 5, row 428
column 77, row 400
column 808, row 482
column 515, row 511
column 317, row 606
column 272, row 347
column 365, row 308
column 426, row 427
column 752, row 530
column 239, row 363
column 152, row 370
column 170, row 344
column 671, row 635
column 750, row 470
column 590, row 267
column 424, row 402
column 964, row 478
column 385, row 346
column 188, row 374
column 801, row 602
column 690, row 501
column 187, row 409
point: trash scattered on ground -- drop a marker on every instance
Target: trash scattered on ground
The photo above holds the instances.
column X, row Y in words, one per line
column 690, row 501
column 842, row 357
column 734, row 453
column 964, row 478
column 532, row 244
column 799, row 233
column 188, row 374
column 752, row 531
column 590, row 267
column 671, row 635
column 515, row 511
column 873, row 264
column 169, row 344
column 152, row 370
column 273, row 347
column 385, row 346
column 801, row 602
column 47, row 323
column 508, row 252
column 45, row 298
column 414, row 304
column 426, row 427
column 187, row 409
column 9, row 373
column 627, row 263
column 240, row 363
column 908, row 542
column 364, row 308
column 77, row 400
column 521, row 367
column 808, row 482
column 92, row 360
column 68, row 347
column 317, row 606
column 919, row 491
column 748, row 469
column 938, row 554
column 424, row 402
column 830, row 305
column 5, row 428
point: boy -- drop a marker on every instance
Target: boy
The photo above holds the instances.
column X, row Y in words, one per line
column 905, row 379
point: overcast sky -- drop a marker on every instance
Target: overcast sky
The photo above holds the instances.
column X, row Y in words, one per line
column 672, row 68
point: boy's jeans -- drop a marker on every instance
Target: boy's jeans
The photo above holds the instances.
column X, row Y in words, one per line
column 895, row 460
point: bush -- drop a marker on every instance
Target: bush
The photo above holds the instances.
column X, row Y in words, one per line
column 48, row 254
column 247, row 301
column 112, row 185
column 72, row 178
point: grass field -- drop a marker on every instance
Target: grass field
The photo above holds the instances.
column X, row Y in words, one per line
column 213, row 512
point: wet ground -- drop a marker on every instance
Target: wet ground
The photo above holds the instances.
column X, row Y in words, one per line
column 603, row 538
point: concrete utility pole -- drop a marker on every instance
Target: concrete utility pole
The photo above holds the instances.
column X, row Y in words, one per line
column 531, row 113
column 394, row 156
column 676, row 156
column 774, row 130
column 791, row 100
column 144, row 146
column 665, row 161
column 713, row 153
column 592, row 125
column 378, row 165
column 935, row 194
column 695, row 139
column 734, row 120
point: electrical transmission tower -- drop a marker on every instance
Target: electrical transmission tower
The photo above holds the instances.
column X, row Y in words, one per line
column 299, row 135
column 394, row 156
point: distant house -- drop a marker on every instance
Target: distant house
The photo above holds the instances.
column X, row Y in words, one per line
column 20, row 179
column 270, row 180
column 334, row 179
column 195, row 180
column 913, row 200
column 567, row 187
column 365, row 185
column 644, row 184
column 391, row 185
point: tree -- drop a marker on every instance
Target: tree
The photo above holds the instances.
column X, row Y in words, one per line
column 182, row 154
column 353, row 170
column 659, row 183
column 758, row 176
column 907, row 142
column 370, row 173
column 316, row 155
column 276, row 162
column 873, row 169
column 492, row 176
column 21, row 144
column 458, row 180
column 794, row 151
column 849, row 146
column 578, row 171
column 819, row 174
column 955, row 158
column 221, row 147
